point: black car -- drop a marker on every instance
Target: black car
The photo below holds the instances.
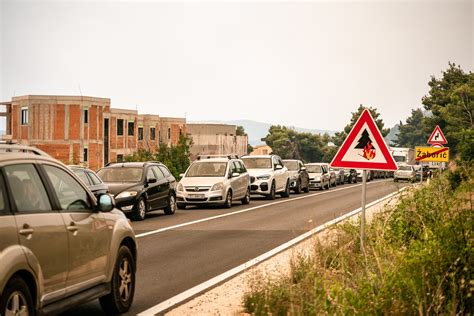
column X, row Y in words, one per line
column 139, row 187
column 350, row 175
column 89, row 177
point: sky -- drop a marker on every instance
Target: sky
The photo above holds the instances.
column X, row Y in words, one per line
column 306, row 64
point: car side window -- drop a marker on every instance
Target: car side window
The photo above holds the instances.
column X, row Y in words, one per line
column 300, row 165
column 3, row 200
column 159, row 174
column 235, row 167
column 28, row 191
column 165, row 171
column 95, row 179
column 82, row 175
column 71, row 195
column 242, row 167
column 275, row 161
column 150, row 174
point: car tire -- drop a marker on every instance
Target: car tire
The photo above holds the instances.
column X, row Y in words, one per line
column 298, row 187
column 246, row 199
column 228, row 199
column 306, row 189
column 181, row 206
column 119, row 300
column 271, row 195
column 286, row 193
column 16, row 290
column 171, row 208
column 139, row 210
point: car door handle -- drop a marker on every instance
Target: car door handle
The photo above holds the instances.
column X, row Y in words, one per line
column 72, row 227
column 26, row 230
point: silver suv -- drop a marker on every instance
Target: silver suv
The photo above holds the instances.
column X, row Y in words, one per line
column 59, row 245
column 214, row 180
column 268, row 175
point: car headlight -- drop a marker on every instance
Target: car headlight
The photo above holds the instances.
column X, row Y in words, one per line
column 264, row 177
column 126, row 194
column 180, row 187
column 317, row 178
column 217, row 186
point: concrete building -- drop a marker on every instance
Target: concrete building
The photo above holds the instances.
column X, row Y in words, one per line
column 216, row 139
column 85, row 130
column 261, row 150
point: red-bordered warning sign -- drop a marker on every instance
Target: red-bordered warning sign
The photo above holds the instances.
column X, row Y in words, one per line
column 437, row 137
column 364, row 148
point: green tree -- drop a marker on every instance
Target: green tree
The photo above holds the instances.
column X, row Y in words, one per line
column 175, row 157
column 339, row 137
column 240, row 131
column 412, row 133
column 451, row 102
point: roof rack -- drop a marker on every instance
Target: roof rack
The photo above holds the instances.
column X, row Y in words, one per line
column 122, row 162
column 231, row 156
column 10, row 147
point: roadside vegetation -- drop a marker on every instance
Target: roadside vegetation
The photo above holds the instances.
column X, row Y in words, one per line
column 419, row 259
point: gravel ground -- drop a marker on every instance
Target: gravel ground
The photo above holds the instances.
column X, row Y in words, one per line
column 226, row 299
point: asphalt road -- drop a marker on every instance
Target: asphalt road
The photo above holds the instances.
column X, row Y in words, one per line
column 173, row 260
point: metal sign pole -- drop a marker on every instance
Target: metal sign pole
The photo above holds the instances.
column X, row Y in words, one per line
column 362, row 215
column 421, row 172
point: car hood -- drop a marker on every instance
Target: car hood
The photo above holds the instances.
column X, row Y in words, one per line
column 315, row 174
column 201, row 181
column 116, row 187
column 259, row 172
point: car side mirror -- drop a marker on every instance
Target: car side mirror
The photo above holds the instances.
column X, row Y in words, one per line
column 235, row 174
column 181, row 175
column 106, row 202
column 278, row 167
column 303, row 169
column 152, row 180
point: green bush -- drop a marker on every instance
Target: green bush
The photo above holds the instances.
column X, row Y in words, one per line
column 418, row 260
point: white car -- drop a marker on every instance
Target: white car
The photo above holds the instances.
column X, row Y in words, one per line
column 319, row 177
column 268, row 175
column 405, row 172
column 214, row 181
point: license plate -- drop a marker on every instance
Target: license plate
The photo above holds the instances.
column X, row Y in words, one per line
column 196, row 196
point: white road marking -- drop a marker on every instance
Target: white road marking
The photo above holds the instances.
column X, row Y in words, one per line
column 245, row 210
column 163, row 306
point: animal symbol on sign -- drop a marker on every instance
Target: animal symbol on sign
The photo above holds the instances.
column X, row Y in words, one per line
column 365, row 143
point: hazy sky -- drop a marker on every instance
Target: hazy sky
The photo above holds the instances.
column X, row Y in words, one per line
column 306, row 64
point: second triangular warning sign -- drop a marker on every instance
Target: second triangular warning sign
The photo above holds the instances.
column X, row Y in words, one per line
column 364, row 148
column 437, row 137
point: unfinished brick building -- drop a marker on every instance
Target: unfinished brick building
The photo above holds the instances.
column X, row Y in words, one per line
column 86, row 130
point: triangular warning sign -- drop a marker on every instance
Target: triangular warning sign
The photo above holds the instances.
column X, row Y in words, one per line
column 437, row 137
column 364, row 148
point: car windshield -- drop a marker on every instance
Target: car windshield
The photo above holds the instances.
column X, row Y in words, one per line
column 291, row 165
column 258, row 163
column 122, row 174
column 405, row 168
column 207, row 169
column 313, row 168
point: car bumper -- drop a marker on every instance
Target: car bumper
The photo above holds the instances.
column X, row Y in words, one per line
column 209, row 197
column 126, row 204
column 315, row 184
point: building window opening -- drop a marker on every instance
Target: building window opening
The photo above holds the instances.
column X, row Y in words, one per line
column 86, row 116
column 86, row 154
column 24, row 115
column 169, row 133
column 131, row 128
column 119, row 127
column 152, row 133
column 140, row 133
column 119, row 158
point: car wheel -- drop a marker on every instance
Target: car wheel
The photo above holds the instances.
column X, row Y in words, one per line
column 298, row 187
column 171, row 208
column 228, row 200
column 246, row 199
column 181, row 206
column 306, row 189
column 123, row 284
column 140, row 208
column 271, row 195
column 286, row 193
column 16, row 298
